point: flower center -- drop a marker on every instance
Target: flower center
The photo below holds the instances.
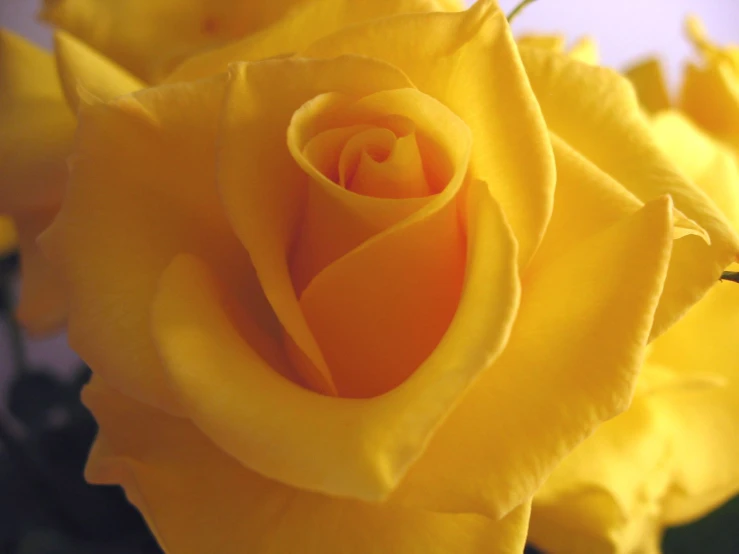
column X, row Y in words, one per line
column 381, row 159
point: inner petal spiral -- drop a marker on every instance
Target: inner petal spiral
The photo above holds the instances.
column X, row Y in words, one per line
column 378, row 261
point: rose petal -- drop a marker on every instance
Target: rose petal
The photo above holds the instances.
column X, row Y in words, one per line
column 462, row 59
column 150, row 38
column 264, row 190
column 560, row 375
column 197, row 499
column 381, row 310
column 296, row 29
column 650, row 84
column 711, row 166
column 704, row 424
column 337, row 220
column 80, row 65
column 606, row 126
column 36, row 127
column 710, row 92
column 342, row 447
column 142, row 189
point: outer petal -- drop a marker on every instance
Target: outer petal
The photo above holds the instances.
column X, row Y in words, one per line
column 469, row 62
column 607, row 127
column 606, row 496
column 358, row 448
column 586, row 202
column 305, row 23
column 650, row 84
column 711, row 165
column 80, row 65
column 703, row 426
column 141, row 189
column 148, row 38
column 559, row 377
column 197, row 499
column 43, row 302
column 36, row 127
column 616, row 491
column 710, row 92
column 708, row 96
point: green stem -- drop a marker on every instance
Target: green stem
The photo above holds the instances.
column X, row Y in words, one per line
column 521, row 5
column 730, row 276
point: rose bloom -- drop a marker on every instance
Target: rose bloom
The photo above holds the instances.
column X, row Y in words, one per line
column 673, row 456
column 365, row 297
column 130, row 44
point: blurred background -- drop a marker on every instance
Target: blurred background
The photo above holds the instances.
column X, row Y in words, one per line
column 45, row 506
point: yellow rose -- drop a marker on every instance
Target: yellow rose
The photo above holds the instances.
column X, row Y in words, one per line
column 709, row 94
column 119, row 47
column 336, row 302
column 672, row 457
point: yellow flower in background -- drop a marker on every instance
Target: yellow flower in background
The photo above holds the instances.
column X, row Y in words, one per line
column 583, row 50
column 35, row 137
column 672, row 456
column 709, row 93
column 117, row 48
column 336, row 301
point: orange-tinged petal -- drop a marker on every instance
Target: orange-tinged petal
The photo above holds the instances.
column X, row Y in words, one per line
column 606, row 126
column 43, row 300
column 507, row 435
column 650, row 84
column 80, row 65
column 337, row 219
column 366, row 446
column 711, row 165
column 142, row 189
column 381, row 310
column 36, row 127
column 8, row 236
column 264, row 189
column 461, row 59
column 296, row 29
column 161, row 462
column 400, row 289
